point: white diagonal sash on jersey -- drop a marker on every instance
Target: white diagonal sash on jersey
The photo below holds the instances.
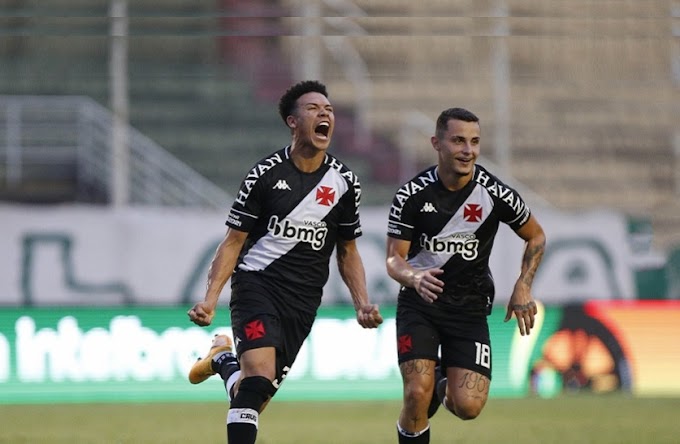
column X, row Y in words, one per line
column 456, row 225
column 269, row 248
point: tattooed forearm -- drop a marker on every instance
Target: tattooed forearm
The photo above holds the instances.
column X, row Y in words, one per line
column 474, row 381
column 419, row 366
column 532, row 258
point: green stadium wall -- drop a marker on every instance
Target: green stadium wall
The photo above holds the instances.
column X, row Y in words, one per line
column 71, row 255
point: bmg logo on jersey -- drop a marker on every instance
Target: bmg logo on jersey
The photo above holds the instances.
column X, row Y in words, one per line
column 312, row 233
column 464, row 244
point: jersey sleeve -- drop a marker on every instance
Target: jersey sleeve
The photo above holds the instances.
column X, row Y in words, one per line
column 512, row 209
column 349, row 226
column 247, row 206
column 401, row 220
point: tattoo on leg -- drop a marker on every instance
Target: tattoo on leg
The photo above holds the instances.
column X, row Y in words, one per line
column 419, row 366
column 474, row 381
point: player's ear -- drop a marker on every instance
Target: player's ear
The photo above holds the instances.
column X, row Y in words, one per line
column 291, row 122
column 435, row 142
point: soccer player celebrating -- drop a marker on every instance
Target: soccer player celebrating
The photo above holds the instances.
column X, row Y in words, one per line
column 293, row 209
column 441, row 230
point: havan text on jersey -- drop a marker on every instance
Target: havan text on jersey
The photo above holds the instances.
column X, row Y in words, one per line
column 411, row 188
column 504, row 193
column 429, row 177
column 251, row 178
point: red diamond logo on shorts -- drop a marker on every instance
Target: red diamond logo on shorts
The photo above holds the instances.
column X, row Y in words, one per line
column 404, row 344
column 325, row 195
column 472, row 213
column 254, row 330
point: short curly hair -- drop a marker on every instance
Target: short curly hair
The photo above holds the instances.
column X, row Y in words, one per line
column 288, row 99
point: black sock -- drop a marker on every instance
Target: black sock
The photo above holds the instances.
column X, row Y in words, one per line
column 225, row 364
column 224, row 359
column 241, row 432
column 243, row 418
column 413, row 438
column 227, row 369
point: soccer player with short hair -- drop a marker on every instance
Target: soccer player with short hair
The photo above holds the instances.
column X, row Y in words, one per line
column 294, row 207
column 441, row 229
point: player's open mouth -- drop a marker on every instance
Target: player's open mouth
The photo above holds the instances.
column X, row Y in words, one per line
column 322, row 129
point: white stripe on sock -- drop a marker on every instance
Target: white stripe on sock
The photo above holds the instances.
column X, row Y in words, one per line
column 247, row 416
column 412, row 434
column 231, row 381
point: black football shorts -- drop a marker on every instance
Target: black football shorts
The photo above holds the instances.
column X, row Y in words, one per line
column 465, row 343
column 259, row 320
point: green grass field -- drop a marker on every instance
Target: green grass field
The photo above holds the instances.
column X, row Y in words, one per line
column 573, row 419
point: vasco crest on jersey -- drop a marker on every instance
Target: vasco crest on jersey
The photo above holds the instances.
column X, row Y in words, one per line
column 472, row 212
column 325, row 195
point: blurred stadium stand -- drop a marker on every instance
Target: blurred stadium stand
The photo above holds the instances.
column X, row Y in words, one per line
column 58, row 150
column 579, row 100
column 181, row 94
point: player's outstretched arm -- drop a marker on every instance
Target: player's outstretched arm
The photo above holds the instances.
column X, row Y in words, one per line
column 521, row 303
column 351, row 269
column 221, row 268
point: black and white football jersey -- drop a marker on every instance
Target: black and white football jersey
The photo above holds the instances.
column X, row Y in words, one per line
column 455, row 231
column 293, row 220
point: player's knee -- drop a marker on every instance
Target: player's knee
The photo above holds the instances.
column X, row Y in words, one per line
column 253, row 393
column 465, row 410
column 467, row 413
column 417, row 393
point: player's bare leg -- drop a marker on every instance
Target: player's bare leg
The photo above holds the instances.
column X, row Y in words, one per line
column 466, row 392
column 418, row 377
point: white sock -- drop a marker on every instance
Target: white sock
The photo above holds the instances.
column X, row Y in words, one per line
column 412, row 434
column 231, row 381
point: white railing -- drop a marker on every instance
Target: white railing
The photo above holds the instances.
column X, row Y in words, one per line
column 73, row 132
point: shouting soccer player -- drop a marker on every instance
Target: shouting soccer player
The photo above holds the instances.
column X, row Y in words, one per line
column 293, row 209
